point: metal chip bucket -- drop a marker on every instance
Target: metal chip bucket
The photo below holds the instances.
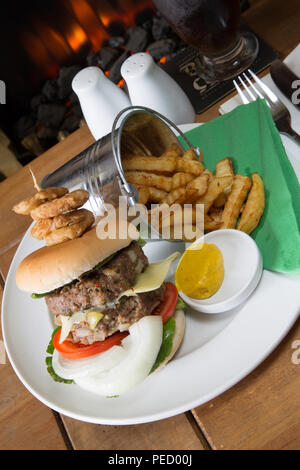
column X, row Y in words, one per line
column 98, row 169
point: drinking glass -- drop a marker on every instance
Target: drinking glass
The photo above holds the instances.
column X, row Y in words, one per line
column 212, row 27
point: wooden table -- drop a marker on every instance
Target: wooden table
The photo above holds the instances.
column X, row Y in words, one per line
column 261, row 412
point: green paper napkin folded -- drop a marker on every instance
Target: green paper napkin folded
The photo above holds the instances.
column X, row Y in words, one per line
column 249, row 137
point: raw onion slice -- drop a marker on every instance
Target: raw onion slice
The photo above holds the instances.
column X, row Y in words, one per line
column 72, row 369
column 141, row 348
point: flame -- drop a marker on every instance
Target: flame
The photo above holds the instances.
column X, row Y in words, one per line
column 76, row 38
column 38, row 53
column 54, row 42
column 163, row 60
column 89, row 22
column 48, row 46
column 128, row 9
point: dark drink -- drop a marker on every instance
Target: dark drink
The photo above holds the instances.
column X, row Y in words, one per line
column 212, row 26
column 209, row 25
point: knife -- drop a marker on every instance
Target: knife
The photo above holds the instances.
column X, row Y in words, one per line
column 284, row 78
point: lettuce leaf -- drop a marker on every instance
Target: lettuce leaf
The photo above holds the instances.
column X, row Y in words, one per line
column 141, row 242
column 181, row 305
column 48, row 361
column 167, row 343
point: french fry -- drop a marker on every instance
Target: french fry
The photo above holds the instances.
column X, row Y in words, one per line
column 191, row 196
column 153, row 194
column 189, row 166
column 211, row 224
column 220, row 201
column 152, row 164
column 254, row 207
column 200, row 184
column 170, row 153
column 150, row 179
column 189, row 154
column 143, row 194
column 177, row 149
column 180, row 179
column 209, row 173
column 156, row 195
column 215, row 188
column 182, row 224
column 216, row 214
column 223, row 168
column 174, row 195
column 240, row 188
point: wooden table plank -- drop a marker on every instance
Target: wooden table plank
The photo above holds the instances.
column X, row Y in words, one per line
column 277, row 22
column 261, row 412
column 25, row 423
column 176, row 433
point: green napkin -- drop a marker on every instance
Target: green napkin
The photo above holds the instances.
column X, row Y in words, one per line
column 249, row 137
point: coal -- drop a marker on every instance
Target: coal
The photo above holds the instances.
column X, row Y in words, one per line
column 115, row 71
column 51, row 114
column 73, row 98
column 36, row 101
column 64, row 80
column 105, row 57
column 76, row 109
column 49, row 90
column 160, row 28
column 71, row 123
column 116, row 41
column 137, row 39
column 47, row 137
column 24, row 126
column 161, row 48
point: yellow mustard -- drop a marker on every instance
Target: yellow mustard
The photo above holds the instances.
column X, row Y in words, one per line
column 200, row 271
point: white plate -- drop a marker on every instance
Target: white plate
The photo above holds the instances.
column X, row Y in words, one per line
column 217, row 351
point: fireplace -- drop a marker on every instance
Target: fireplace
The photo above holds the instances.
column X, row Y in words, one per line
column 49, row 42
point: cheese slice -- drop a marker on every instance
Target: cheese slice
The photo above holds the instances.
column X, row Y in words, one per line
column 153, row 276
column 68, row 322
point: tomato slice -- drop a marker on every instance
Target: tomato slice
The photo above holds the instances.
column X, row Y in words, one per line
column 168, row 305
column 71, row 350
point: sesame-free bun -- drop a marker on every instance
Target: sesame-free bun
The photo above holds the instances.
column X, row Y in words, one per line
column 51, row 267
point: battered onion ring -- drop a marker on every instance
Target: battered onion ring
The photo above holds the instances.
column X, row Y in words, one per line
column 70, row 232
column 62, row 205
column 43, row 227
column 27, row 205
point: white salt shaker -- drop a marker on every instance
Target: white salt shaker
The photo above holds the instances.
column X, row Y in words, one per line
column 150, row 86
column 100, row 99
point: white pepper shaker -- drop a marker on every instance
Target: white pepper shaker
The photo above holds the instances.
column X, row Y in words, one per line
column 100, row 99
column 149, row 85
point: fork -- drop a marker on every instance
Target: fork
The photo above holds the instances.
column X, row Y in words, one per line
column 279, row 111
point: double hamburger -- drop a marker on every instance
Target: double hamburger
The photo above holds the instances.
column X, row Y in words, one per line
column 92, row 287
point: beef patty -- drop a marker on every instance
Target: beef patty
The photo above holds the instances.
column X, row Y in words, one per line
column 100, row 286
column 119, row 318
